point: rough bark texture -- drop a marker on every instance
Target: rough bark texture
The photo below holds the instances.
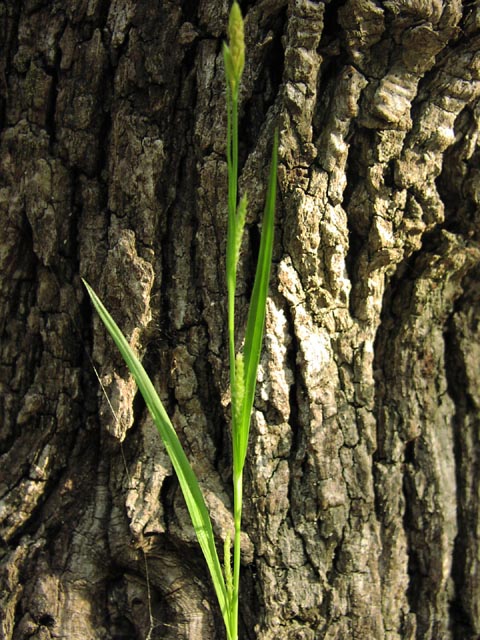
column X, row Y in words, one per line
column 363, row 507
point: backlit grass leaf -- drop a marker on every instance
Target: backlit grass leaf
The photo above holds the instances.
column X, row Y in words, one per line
column 257, row 310
column 186, row 477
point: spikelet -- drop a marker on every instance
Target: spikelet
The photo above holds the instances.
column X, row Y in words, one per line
column 236, row 39
column 234, row 52
column 239, row 226
column 238, row 391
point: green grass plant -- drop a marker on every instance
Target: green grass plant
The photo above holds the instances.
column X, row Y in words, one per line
column 243, row 364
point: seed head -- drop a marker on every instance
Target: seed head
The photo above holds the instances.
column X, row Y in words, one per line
column 236, row 49
column 239, row 226
column 238, row 391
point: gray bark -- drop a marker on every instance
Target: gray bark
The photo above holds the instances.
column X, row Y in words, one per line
column 362, row 497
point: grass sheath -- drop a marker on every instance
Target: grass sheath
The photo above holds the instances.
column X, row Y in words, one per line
column 243, row 365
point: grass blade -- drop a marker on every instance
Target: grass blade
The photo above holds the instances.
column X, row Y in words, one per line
column 186, row 477
column 256, row 312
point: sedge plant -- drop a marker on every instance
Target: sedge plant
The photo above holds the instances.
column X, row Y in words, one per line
column 243, row 364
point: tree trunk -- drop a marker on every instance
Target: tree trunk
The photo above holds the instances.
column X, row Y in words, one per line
column 362, row 498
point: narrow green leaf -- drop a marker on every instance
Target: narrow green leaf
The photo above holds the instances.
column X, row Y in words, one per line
column 257, row 310
column 186, row 476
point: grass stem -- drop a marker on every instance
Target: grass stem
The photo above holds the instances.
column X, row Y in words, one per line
column 237, row 516
column 243, row 365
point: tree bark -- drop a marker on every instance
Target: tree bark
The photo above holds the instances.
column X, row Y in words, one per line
column 362, row 509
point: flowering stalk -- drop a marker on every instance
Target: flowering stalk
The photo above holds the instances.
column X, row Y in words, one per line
column 243, row 365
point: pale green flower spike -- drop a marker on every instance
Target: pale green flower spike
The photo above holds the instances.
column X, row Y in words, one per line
column 240, row 225
column 238, row 390
column 234, row 54
column 243, row 366
column 237, row 40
